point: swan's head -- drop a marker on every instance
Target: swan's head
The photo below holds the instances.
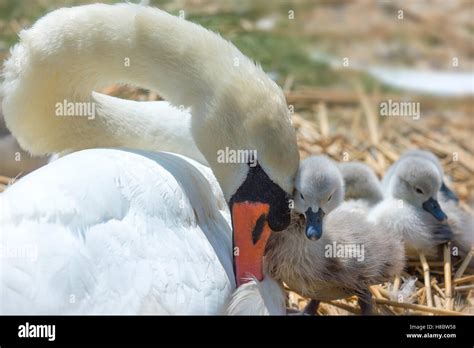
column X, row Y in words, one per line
column 245, row 133
column 318, row 190
column 417, row 182
column 360, row 182
column 416, row 153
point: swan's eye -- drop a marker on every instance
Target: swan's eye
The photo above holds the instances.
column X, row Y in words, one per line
column 301, row 195
column 419, row 190
column 329, row 198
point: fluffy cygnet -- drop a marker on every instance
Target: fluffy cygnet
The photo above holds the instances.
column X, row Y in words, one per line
column 350, row 254
column 447, row 193
column 360, row 182
column 441, row 219
column 411, row 206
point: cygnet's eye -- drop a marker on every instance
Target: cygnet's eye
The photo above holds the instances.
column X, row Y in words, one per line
column 301, row 195
column 329, row 198
column 419, row 190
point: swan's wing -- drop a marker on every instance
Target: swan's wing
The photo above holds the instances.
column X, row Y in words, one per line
column 113, row 231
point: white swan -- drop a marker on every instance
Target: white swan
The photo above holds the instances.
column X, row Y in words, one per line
column 120, row 231
column 317, row 268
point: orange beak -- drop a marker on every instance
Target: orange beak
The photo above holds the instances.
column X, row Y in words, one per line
column 251, row 232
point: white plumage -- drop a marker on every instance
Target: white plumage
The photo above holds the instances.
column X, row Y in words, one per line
column 128, row 231
column 107, row 245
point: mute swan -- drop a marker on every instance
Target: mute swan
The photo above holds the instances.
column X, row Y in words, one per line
column 446, row 191
column 360, row 183
column 121, row 231
column 321, row 269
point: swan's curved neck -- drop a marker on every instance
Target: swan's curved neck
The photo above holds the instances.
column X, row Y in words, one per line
column 152, row 126
column 231, row 99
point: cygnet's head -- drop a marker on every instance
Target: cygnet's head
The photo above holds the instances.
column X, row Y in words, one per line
column 319, row 189
column 448, row 193
column 426, row 155
column 417, row 182
column 360, row 182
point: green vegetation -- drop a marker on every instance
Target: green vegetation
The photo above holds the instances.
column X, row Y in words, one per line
column 281, row 51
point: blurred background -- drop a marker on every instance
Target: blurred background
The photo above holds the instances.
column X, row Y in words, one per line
column 339, row 62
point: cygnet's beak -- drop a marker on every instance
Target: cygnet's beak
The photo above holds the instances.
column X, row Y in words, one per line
column 448, row 193
column 432, row 207
column 314, row 224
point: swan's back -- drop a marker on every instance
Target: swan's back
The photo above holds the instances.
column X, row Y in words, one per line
column 115, row 231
